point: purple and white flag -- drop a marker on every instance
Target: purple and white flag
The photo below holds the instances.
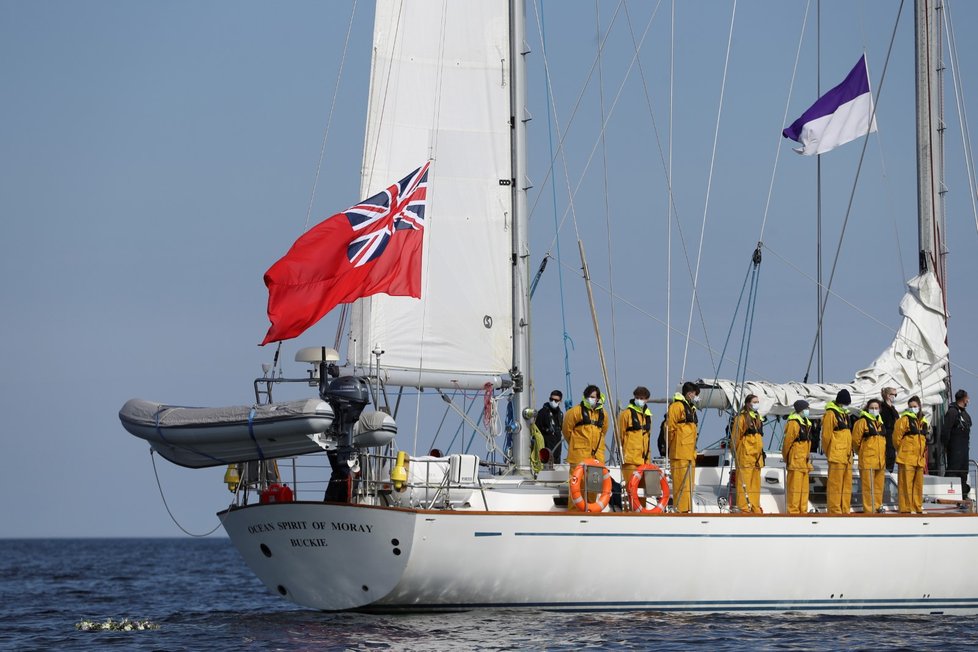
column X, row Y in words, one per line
column 843, row 114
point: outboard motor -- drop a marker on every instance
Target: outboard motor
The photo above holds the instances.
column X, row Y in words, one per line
column 347, row 395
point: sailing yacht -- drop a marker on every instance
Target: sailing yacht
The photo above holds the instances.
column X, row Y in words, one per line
column 399, row 532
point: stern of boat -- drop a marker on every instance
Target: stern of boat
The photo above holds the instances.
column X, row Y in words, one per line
column 321, row 555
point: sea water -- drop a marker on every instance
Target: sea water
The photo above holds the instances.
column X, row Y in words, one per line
column 203, row 597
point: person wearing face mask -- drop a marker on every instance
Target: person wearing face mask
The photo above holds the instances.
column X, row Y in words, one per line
column 682, row 429
column 550, row 419
column 956, row 437
column 869, row 442
column 584, row 429
column 837, row 446
column 910, row 441
column 747, row 439
column 795, row 450
column 635, row 426
column 890, row 415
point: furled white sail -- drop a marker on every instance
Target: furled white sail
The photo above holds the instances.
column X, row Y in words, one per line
column 440, row 89
column 915, row 364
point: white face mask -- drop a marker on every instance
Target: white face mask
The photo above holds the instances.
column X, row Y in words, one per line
column 554, row 404
column 875, row 412
column 696, row 400
column 915, row 409
column 754, row 406
column 640, row 402
column 592, row 401
column 805, row 412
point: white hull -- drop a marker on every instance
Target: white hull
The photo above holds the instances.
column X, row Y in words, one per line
column 335, row 556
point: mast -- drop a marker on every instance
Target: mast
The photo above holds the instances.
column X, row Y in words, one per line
column 928, row 18
column 521, row 273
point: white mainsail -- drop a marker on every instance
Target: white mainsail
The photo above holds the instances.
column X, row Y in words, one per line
column 915, row 363
column 425, row 102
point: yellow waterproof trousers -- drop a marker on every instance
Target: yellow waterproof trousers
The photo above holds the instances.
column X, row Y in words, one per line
column 749, row 477
column 797, row 497
column 872, row 483
column 839, row 489
column 683, row 472
column 910, row 489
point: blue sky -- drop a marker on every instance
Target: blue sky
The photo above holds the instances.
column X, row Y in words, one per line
column 158, row 157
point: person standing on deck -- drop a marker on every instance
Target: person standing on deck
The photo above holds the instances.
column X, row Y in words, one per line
column 635, row 426
column 956, row 437
column 550, row 419
column 682, row 429
column 837, row 446
column 910, row 442
column 890, row 415
column 869, row 442
column 795, row 450
column 584, row 429
column 747, row 439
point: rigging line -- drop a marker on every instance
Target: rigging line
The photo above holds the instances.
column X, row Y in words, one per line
column 553, row 107
column 958, row 86
column 739, row 374
column 635, row 59
column 887, row 327
column 553, row 193
column 709, row 185
column 695, row 300
column 434, row 438
column 607, row 212
column 570, row 210
column 436, row 113
column 461, row 424
column 670, row 198
column 852, row 193
column 888, row 199
column 784, row 119
column 733, row 321
column 173, row 518
column 383, row 102
column 752, row 306
column 672, row 210
column 704, row 345
column 329, row 120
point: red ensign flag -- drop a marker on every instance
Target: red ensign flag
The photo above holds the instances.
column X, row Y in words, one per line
column 372, row 248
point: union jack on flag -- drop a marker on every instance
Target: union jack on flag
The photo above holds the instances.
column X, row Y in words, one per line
column 401, row 206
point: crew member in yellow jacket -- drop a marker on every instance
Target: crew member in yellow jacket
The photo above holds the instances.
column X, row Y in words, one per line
column 682, row 429
column 747, row 439
column 837, row 446
column 869, row 442
column 795, row 450
column 584, row 428
column 635, row 426
column 910, row 442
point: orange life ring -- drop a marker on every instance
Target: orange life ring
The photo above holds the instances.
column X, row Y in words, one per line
column 577, row 492
column 638, row 502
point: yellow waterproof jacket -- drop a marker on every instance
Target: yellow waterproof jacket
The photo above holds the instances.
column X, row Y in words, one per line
column 910, row 439
column 635, row 425
column 747, row 438
column 869, row 441
column 584, row 429
column 681, row 422
column 836, row 436
column 797, row 442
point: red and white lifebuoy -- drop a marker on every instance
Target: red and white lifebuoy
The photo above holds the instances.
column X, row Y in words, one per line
column 638, row 503
column 577, row 493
